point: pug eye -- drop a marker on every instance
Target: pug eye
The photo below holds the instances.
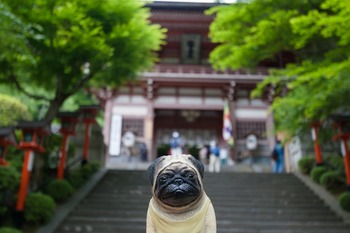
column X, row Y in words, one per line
column 163, row 179
column 190, row 175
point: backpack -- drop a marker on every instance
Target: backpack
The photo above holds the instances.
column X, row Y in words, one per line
column 274, row 154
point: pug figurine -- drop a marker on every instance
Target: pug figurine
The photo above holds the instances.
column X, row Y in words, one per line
column 179, row 203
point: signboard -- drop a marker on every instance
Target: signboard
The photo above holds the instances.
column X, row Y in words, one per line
column 115, row 135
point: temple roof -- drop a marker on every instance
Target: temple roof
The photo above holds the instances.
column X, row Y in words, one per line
column 183, row 6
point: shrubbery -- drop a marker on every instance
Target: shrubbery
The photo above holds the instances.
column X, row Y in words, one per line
column 39, row 208
column 194, row 151
column 333, row 181
column 78, row 176
column 331, row 176
column 60, row 190
column 89, row 169
column 317, row 172
column 306, row 164
column 344, row 201
column 163, row 150
column 9, row 181
column 9, row 230
column 337, row 162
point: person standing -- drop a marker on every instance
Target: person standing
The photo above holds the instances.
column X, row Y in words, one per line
column 278, row 157
column 203, row 151
column 214, row 159
column 175, row 144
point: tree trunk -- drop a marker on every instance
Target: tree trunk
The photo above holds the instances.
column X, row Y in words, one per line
column 54, row 107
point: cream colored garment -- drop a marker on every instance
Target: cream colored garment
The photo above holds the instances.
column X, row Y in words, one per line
column 194, row 224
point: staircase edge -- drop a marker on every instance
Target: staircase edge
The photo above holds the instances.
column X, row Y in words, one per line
column 63, row 210
column 328, row 198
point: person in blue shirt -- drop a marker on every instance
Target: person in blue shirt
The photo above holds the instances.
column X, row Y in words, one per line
column 278, row 152
column 175, row 144
column 214, row 159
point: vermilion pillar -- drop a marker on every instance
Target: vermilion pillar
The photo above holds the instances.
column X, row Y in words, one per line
column 346, row 156
column 26, row 170
column 62, row 163
column 68, row 123
column 317, row 148
column 89, row 113
column 344, row 137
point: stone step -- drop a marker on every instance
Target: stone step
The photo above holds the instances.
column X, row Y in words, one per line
column 244, row 203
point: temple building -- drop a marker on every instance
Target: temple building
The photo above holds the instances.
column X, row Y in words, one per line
column 184, row 93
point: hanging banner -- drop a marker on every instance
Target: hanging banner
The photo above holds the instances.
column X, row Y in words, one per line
column 115, row 135
column 227, row 130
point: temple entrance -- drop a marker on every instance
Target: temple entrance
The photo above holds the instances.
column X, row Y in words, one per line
column 196, row 128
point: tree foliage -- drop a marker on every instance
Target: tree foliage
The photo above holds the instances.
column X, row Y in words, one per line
column 315, row 34
column 79, row 43
column 11, row 111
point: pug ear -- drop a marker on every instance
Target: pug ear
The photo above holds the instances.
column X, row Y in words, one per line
column 152, row 168
column 198, row 164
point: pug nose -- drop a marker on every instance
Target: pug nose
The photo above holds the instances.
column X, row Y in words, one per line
column 178, row 181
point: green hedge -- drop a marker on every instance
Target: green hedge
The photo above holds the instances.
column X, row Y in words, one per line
column 336, row 161
column 89, row 169
column 333, row 181
column 39, row 208
column 306, row 164
column 163, row 150
column 9, row 181
column 317, row 172
column 59, row 190
column 79, row 176
column 75, row 178
column 194, row 151
column 9, row 230
column 344, row 201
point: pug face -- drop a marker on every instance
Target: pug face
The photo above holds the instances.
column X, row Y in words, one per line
column 177, row 185
column 176, row 180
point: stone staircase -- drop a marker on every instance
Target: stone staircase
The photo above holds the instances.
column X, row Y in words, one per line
column 244, row 203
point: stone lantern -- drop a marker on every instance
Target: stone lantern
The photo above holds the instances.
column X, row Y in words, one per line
column 33, row 133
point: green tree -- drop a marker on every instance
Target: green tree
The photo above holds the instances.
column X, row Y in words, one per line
column 11, row 111
column 309, row 40
column 76, row 44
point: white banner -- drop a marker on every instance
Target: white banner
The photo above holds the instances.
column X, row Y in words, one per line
column 115, row 135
